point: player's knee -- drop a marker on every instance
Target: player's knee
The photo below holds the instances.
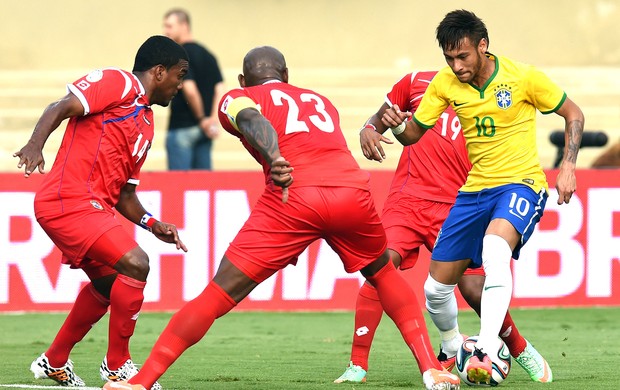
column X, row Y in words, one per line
column 374, row 267
column 134, row 264
column 496, row 257
column 436, row 292
column 395, row 257
column 495, row 252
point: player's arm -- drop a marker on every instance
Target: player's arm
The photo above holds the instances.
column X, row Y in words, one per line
column 259, row 132
column 566, row 183
column 407, row 132
column 31, row 155
column 129, row 206
column 371, row 136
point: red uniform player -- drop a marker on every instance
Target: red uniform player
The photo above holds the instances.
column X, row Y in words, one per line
column 96, row 171
column 296, row 132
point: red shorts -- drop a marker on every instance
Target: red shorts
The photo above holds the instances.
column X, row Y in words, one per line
column 474, row 271
column 411, row 222
column 87, row 236
column 275, row 234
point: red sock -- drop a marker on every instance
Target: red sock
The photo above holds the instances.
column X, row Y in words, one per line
column 185, row 329
column 511, row 336
column 400, row 303
column 368, row 313
column 88, row 308
column 126, row 299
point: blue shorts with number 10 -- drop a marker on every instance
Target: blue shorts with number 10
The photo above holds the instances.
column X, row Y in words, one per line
column 462, row 232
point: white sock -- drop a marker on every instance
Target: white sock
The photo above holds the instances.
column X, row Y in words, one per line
column 496, row 293
column 443, row 310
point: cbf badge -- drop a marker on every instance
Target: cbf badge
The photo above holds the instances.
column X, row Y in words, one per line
column 503, row 96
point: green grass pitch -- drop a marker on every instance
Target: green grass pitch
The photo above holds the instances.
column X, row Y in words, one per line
column 257, row 350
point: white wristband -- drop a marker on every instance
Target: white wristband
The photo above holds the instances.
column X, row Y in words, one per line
column 399, row 129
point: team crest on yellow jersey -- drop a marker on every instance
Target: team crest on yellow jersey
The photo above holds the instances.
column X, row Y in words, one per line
column 503, row 96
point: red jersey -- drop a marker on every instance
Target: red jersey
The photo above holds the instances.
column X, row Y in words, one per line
column 104, row 149
column 309, row 134
column 435, row 167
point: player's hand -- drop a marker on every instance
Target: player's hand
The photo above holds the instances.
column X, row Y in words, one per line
column 370, row 141
column 281, row 175
column 566, row 183
column 167, row 232
column 31, row 157
column 393, row 116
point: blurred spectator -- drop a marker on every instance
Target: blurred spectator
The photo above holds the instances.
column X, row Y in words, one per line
column 610, row 158
column 193, row 113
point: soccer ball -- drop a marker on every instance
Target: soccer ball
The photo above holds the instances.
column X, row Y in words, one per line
column 501, row 366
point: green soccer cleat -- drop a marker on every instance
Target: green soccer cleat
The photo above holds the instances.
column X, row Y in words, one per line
column 534, row 364
column 353, row 374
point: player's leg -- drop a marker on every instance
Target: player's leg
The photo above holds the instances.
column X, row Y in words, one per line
column 441, row 302
column 449, row 259
column 119, row 250
column 368, row 314
column 521, row 349
column 359, row 239
column 516, row 210
column 409, row 223
column 90, row 305
column 73, row 233
column 252, row 257
column 401, row 305
column 406, row 220
column 189, row 325
column 470, row 286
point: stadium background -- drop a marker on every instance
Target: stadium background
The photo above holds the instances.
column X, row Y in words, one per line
column 350, row 51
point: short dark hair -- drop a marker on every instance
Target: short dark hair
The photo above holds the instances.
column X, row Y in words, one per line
column 457, row 25
column 158, row 50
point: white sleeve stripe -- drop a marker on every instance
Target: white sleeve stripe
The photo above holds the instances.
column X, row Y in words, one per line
column 127, row 84
column 387, row 101
column 133, row 181
column 76, row 91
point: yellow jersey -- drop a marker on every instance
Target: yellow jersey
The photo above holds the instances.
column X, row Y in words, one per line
column 498, row 121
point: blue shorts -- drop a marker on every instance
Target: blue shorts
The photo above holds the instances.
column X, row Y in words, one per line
column 461, row 235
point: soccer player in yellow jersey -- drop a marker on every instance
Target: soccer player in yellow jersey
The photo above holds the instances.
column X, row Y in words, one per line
column 504, row 197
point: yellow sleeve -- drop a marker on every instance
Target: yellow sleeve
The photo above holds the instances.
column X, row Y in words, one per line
column 543, row 93
column 236, row 105
column 433, row 104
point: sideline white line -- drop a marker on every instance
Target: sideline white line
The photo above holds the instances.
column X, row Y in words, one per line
column 18, row 386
